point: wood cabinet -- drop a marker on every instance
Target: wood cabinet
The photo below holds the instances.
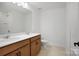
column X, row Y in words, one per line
column 14, row 53
column 16, row 48
column 35, row 45
column 27, row 47
column 25, row 50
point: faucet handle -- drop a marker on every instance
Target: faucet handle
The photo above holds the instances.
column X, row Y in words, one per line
column 8, row 31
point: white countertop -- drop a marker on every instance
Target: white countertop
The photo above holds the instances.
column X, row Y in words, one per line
column 4, row 42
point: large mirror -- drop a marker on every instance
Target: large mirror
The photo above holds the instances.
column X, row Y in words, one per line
column 14, row 18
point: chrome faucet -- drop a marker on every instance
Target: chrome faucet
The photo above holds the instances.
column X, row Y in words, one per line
column 8, row 34
column 8, row 31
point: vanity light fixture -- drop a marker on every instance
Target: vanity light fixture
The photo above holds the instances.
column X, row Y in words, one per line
column 23, row 4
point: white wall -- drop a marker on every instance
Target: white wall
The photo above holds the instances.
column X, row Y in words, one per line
column 3, row 23
column 50, row 23
column 35, row 18
column 20, row 22
column 72, row 28
column 28, row 23
column 53, row 26
column 16, row 22
column 36, row 21
column 17, row 19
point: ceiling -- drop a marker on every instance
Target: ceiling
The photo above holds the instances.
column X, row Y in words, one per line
column 44, row 5
column 40, row 5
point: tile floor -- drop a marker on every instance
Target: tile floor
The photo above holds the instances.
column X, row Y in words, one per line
column 51, row 50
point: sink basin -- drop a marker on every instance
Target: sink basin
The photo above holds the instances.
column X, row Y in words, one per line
column 15, row 37
column 18, row 36
column 9, row 39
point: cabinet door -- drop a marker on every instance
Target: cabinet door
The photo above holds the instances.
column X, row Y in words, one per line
column 25, row 50
column 38, row 46
column 15, row 53
column 35, row 47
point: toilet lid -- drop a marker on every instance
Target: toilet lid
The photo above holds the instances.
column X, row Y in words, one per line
column 44, row 40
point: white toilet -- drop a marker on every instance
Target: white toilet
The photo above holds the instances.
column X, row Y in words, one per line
column 44, row 43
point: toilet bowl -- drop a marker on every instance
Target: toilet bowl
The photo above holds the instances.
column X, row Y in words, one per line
column 44, row 43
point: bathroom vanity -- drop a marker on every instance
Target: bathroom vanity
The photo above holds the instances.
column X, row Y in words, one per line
column 26, row 46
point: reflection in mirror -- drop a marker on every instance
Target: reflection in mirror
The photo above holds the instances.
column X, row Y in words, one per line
column 14, row 18
column 3, row 22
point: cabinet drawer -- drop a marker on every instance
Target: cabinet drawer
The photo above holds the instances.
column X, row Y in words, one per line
column 23, row 51
column 35, row 38
column 9, row 48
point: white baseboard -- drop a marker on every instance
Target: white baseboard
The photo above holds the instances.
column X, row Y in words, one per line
column 49, row 43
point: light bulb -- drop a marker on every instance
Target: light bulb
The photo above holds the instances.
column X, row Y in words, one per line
column 23, row 4
column 19, row 4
